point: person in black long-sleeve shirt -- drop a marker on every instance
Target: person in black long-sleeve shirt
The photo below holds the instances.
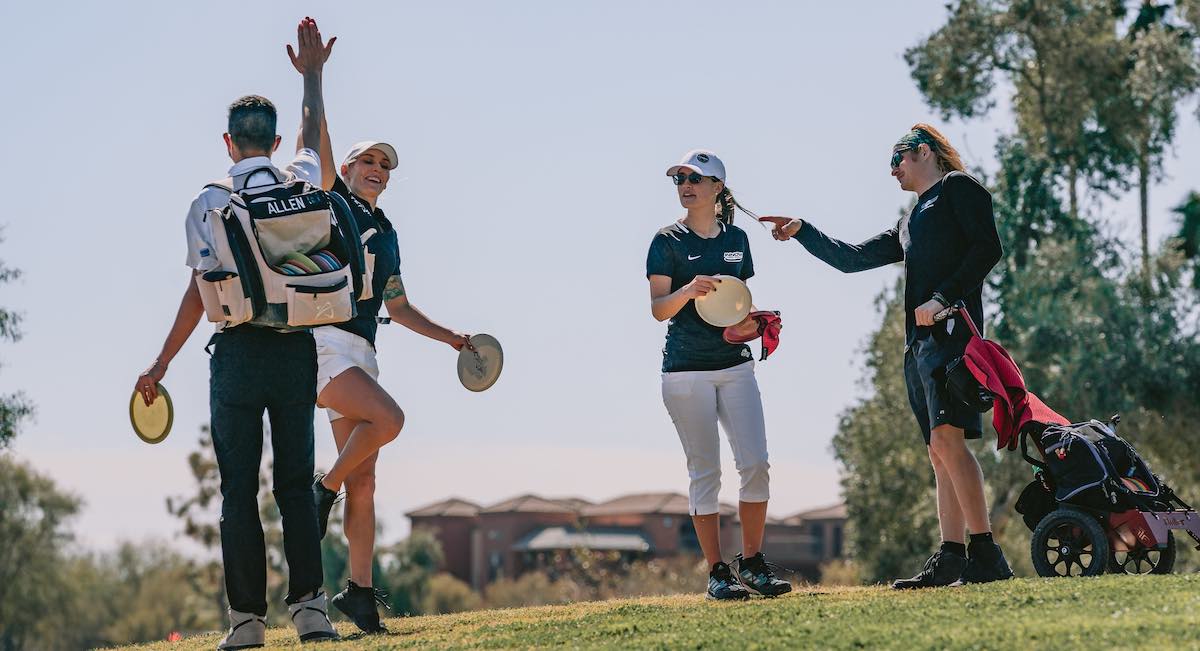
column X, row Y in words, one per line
column 948, row 244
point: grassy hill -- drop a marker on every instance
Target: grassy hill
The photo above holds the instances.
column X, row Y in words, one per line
column 1105, row 612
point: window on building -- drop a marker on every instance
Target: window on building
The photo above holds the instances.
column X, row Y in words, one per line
column 817, row 531
column 837, row 542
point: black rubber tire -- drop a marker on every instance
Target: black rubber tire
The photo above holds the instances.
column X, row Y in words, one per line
column 1160, row 561
column 1077, row 535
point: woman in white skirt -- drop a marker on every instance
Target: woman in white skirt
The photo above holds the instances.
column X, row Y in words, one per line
column 706, row 381
column 362, row 415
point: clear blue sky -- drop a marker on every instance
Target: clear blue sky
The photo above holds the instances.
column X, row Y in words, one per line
column 533, row 138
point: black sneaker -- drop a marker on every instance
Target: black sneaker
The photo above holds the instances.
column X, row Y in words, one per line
column 324, row 499
column 985, row 563
column 758, row 577
column 358, row 603
column 722, row 585
column 942, row 569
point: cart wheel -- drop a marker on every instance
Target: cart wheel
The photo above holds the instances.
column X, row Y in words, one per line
column 1069, row 542
column 1144, row 560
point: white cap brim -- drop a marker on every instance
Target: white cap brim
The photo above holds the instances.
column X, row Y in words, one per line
column 358, row 149
column 675, row 169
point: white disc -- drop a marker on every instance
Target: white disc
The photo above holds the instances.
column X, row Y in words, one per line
column 480, row 368
column 726, row 306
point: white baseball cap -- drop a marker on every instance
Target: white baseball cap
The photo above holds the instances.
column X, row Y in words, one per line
column 360, row 147
column 701, row 161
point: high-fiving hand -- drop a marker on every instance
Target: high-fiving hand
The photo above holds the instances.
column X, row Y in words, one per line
column 310, row 54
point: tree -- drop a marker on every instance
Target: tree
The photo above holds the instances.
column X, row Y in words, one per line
column 14, row 407
column 408, row 567
column 33, row 582
column 1161, row 70
column 1188, row 238
column 886, row 479
column 1064, row 62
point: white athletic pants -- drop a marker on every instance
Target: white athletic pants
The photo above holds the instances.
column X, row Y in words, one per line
column 696, row 401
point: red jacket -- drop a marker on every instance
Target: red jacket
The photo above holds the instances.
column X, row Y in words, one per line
column 1014, row 407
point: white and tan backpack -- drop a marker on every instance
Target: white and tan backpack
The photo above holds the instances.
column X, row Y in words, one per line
column 290, row 256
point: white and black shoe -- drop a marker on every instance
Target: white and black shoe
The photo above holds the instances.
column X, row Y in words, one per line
column 311, row 619
column 723, row 585
column 757, row 576
column 246, row 631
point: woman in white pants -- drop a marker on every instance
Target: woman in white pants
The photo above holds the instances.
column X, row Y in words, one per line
column 706, row 380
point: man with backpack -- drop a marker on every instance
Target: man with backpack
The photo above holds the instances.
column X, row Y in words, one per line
column 256, row 369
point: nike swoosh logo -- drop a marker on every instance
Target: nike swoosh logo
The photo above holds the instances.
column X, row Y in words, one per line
column 693, row 257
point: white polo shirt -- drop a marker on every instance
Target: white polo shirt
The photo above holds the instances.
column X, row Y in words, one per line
column 201, row 255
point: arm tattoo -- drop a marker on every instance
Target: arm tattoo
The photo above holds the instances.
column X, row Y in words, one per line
column 394, row 288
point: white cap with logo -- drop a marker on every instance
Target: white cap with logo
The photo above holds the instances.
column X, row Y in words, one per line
column 360, row 147
column 701, row 161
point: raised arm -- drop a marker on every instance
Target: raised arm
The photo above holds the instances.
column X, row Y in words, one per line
column 879, row 251
column 309, row 59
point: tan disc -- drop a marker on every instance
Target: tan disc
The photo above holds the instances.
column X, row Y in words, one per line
column 726, row 306
column 480, row 368
column 152, row 423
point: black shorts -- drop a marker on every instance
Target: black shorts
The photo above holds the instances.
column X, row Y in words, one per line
column 931, row 403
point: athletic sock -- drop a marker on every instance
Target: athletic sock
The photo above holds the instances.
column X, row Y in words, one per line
column 981, row 538
column 955, row 548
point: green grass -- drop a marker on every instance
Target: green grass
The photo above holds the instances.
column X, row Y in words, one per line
column 1160, row 612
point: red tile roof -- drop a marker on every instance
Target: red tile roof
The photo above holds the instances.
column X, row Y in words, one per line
column 534, row 504
column 452, row 507
column 644, row 503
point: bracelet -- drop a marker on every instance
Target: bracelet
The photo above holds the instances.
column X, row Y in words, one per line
column 937, row 296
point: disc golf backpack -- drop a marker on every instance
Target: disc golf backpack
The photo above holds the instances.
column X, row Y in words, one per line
column 1090, row 466
column 290, row 256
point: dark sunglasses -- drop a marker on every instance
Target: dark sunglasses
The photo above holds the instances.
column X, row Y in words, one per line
column 693, row 178
column 898, row 156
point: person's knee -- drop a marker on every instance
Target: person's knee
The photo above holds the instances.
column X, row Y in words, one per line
column 360, row 486
column 393, row 423
column 946, row 442
column 756, row 481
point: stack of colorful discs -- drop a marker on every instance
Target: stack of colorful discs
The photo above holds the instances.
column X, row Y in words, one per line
column 303, row 261
column 290, row 269
column 326, row 260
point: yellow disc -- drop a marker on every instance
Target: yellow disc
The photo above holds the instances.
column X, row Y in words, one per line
column 152, row 423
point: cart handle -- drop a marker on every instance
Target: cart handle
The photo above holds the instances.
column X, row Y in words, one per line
column 1041, row 465
column 958, row 309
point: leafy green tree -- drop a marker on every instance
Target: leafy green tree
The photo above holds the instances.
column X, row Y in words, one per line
column 407, row 569
column 1064, row 62
column 1188, row 238
column 886, row 480
column 14, row 407
column 33, row 581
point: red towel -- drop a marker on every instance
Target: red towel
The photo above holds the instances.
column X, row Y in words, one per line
column 1015, row 406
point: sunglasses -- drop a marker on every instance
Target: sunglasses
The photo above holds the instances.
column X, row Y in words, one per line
column 898, row 156
column 693, row 178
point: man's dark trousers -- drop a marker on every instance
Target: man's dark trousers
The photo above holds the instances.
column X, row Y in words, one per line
column 255, row 370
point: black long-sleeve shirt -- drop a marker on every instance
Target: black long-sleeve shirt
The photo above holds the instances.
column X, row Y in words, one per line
column 948, row 244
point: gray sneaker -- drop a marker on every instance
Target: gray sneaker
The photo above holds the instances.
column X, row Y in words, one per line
column 311, row 619
column 246, row 631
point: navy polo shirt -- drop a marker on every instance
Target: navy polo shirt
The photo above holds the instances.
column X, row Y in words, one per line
column 386, row 248
column 693, row 344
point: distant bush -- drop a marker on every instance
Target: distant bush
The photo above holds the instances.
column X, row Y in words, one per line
column 446, row 594
column 530, row 589
column 841, row 572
